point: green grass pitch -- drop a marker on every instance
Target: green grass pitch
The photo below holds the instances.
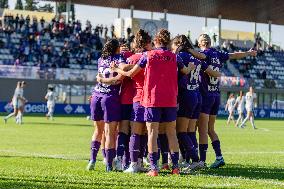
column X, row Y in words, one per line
column 45, row 154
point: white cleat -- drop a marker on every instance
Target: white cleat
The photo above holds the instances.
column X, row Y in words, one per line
column 192, row 167
column 141, row 166
column 184, row 164
column 133, row 168
column 146, row 161
column 118, row 164
column 202, row 165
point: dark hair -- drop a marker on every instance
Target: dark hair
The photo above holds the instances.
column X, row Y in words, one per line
column 110, row 48
column 163, row 37
column 182, row 42
column 142, row 38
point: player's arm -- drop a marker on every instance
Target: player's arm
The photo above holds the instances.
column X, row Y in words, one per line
column 130, row 73
column 226, row 107
column 110, row 81
column 213, row 73
column 240, row 55
column 197, row 54
column 187, row 69
column 46, row 96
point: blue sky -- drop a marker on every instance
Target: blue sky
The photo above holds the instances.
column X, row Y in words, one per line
column 178, row 24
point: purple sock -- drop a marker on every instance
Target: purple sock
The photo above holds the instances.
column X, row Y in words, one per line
column 153, row 157
column 95, row 147
column 159, row 149
column 202, row 151
column 175, row 157
column 189, row 148
column 143, row 146
column 192, row 136
column 104, row 153
column 121, row 143
column 182, row 150
column 217, row 148
column 126, row 156
column 164, row 147
column 134, row 147
column 110, row 155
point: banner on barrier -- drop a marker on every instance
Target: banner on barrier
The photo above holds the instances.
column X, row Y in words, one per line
column 84, row 109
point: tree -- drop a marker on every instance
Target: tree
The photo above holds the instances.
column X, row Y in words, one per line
column 4, row 4
column 46, row 8
column 31, row 5
column 19, row 5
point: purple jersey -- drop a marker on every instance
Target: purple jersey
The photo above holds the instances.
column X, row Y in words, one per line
column 105, row 71
column 215, row 60
column 190, row 81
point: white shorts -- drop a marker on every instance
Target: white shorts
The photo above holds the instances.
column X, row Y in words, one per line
column 240, row 111
column 17, row 104
column 50, row 105
column 249, row 108
column 231, row 110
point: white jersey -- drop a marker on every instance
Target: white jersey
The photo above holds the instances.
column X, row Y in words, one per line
column 17, row 94
column 241, row 104
column 250, row 101
column 51, row 97
column 230, row 104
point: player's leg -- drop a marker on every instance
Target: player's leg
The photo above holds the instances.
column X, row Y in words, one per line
column 213, row 135
column 110, row 143
column 239, row 119
column 164, row 146
column 169, row 116
column 96, row 143
column 123, row 135
column 246, row 118
column 14, row 113
column 97, row 117
column 251, row 118
column 153, row 117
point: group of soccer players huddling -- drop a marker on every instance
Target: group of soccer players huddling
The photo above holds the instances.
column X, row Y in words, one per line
column 149, row 102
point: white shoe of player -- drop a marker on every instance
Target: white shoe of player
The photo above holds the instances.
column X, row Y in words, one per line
column 118, row 164
column 184, row 164
column 202, row 165
column 133, row 168
column 192, row 167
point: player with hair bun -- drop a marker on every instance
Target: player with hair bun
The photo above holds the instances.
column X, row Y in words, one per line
column 105, row 105
column 211, row 98
column 189, row 100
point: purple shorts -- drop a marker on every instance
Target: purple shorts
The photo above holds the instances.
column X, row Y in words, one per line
column 210, row 105
column 105, row 108
column 159, row 114
column 138, row 112
column 126, row 111
column 189, row 104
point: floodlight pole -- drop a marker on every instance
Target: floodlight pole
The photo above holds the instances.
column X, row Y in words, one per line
column 131, row 11
column 255, row 31
column 165, row 14
column 68, row 9
column 269, row 32
column 118, row 13
column 220, row 29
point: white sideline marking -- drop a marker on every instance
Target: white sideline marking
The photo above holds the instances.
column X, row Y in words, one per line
column 221, row 185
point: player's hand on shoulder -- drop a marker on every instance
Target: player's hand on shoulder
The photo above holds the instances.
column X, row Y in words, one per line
column 191, row 66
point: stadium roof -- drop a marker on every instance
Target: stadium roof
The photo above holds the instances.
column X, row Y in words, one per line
column 260, row 11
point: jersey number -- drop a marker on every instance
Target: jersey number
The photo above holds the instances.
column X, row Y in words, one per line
column 214, row 80
column 195, row 73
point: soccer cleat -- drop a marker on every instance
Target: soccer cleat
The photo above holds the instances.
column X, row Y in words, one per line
column 133, row 168
column 146, row 161
column 5, row 120
column 141, row 166
column 184, row 164
column 118, row 164
column 109, row 169
column 175, row 171
column 202, row 165
column 91, row 165
column 165, row 167
column 192, row 167
column 152, row 173
column 218, row 163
